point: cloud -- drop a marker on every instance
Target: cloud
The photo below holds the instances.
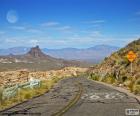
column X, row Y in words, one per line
column 138, row 13
column 25, row 29
column 50, row 24
column 94, row 22
column 95, row 34
column 91, row 33
column 33, row 30
column 2, row 32
column 34, row 42
column 18, row 27
column 77, row 41
column 57, row 26
column 13, row 41
column 64, row 28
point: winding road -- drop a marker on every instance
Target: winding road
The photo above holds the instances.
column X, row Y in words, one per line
column 76, row 97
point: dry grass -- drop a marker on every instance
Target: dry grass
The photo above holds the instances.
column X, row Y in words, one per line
column 131, row 83
column 94, row 77
column 28, row 93
column 136, row 89
column 109, row 79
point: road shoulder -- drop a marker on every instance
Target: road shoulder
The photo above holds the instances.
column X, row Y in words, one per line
column 119, row 89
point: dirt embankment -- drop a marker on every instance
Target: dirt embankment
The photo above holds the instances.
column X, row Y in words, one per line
column 10, row 78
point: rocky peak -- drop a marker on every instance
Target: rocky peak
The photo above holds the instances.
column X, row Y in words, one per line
column 36, row 52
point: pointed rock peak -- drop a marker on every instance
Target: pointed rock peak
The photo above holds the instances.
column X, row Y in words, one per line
column 37, row 47
column 36, row 52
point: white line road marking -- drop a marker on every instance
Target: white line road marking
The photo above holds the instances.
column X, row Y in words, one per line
column 95, row 96
column 109, row 96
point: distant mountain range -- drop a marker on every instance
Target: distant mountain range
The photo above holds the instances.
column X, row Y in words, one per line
column 94, row 54
column 35, row 59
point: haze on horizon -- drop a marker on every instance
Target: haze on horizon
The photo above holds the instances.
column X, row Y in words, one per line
column 73, row 23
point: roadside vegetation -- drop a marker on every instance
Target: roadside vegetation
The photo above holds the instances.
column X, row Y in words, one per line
column 117, row 69
column 129, row 83
column 25, row 94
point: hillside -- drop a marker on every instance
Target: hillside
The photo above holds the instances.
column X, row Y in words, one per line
column 93, row 54
column 118, row 62
column 35, row 59
column 117, row 69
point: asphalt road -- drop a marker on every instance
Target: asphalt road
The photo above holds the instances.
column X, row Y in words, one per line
column 76, row 97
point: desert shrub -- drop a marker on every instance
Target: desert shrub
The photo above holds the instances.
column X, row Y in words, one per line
column 56, row 79
column 124, row 78
column 136, row 89
column 48, row 84
column 125, row 62
column 129, row 83
column 39, row 91
column 130, row 86
column 94, row 77
column 27, row 96
column 138, row 62
column 83, row 74
column 109, row 79
column 14, row 100
column 137, row 82
column 27, row 93
column 105, row 59
column 1, row 93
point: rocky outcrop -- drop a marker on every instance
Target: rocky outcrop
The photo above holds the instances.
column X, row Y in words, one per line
column 11, row 78
column 36, row 52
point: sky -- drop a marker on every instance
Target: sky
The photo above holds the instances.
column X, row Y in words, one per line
column 68, row 23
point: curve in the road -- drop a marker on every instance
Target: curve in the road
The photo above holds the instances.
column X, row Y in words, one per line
column 71, row 103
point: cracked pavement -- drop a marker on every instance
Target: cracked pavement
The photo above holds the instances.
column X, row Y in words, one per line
column 96, row 100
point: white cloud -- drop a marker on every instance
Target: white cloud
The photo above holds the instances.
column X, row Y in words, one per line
column 33, row 30
column 64, row 28
column 95, row 33
column 57, row 26
column 50, row 24
column 34, row 42
column 18, row 27
column 138, row 13
column 11, row 40
column 78, row 41
column 91, row 33
column 94, row 22
column 25, row 29
column 2, row 32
